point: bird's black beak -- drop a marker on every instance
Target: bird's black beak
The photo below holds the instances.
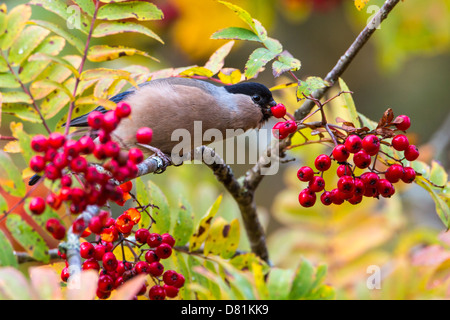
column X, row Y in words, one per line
column 272, row 103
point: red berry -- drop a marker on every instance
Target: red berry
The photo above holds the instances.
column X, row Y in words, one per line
column 135, row 155
column 409, row 175
column 141, row 235
column 357, row 198
column 124, row 223
column 39, row 143
column 326, row 198
column 142, row 267
column 151, row 256
column 340, row 153
column 278, row 111
column 90, row 264
column 60, row 160
column 123, row 109
column 156, row 269
column 405, row 124
column 37, row 205
column 144, row 135
column 37, row 163
column 86, row 144
column 346, row 184
column 394, row 173
column 335, row 197
column 143, row 290
column 385, row 188
column 87, row 250
column 99, row 152
column 167, row 238
column 154, row 240
column 344, row 170
column 280, row 131
column 118, row 282
column 371, row 144
column 103, row 295
column 78, row 226
column 65, row 274
column 371, row 192
column 99, row 252
column 359, row 187
column 400, row 142
column 361, row 159
column 317, row 184
column 353, row 143
column 109, row 261
column 170, row 277
column 52, row 172
column 322, row 162
column 53, row 201
column 305, row 174
column 105, row 283
column 307, row 198
column 59, row 233
column 52, row 224
column 157, row 293
column 291, row 126
column 79, row 164
column 95, row 120
column 72, row 148
column 112, row 149
column 171, row 291
column 180, row 281
column 95, row 225
column 411, row 153
column 50, row 154
column 110, row 121
column 163, row 250
column 56, row 140
column 370, row 179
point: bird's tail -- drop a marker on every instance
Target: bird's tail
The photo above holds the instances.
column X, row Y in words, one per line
column 34, row 179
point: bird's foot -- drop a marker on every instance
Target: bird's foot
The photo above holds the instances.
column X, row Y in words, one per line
column 164, row 159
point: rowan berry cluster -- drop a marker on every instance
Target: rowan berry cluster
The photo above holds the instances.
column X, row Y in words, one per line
column 99, row 255
column 283, row 128
column 360, row 148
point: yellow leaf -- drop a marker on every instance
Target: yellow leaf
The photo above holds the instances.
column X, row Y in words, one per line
column 12, row 147
column 230, row 75
column 360, row 4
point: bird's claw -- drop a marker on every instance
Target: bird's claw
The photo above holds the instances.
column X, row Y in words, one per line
column 163, row 160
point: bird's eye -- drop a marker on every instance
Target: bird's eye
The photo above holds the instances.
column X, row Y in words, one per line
column 256, row 98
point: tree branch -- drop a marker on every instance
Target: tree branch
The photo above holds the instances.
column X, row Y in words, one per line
column 348, row 56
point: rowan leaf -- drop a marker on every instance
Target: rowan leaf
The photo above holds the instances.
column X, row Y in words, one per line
column 16, row 97
column 360, row 4
column 214, row 243
column 143, row 198
column 349, row 104
column 117, row 27
column 10, row 177
column 438, row 175
column 94, row 101
column 40, row 56
column 23, row 138
column 58, row 99
column 87, row 6
column 22, row 111
column 39, row 86
column 15, row 23
column 162, row 213
column 8, row 80
column 184, row 222
column 204, row 225
column 279, row 283
column 256, row 62
column 103, row 53
column 442, row 208
column 231, row 236
column 236, row 33
column 7, row 257
column 139, row 10
column 28, row 238
column 29, row 39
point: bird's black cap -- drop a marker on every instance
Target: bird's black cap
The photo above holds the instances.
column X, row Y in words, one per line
column 258, row 92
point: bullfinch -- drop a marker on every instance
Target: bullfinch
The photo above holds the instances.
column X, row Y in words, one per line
column 165, row 105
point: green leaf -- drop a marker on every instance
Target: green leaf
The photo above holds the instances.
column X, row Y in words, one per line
column 349, row 104
column 58, row 99
column 16, row 97
column 116, row 27
column 31, row 69
column 215, row 240
column 143, row 198
column 184, row 222
column 73, row 40
column 217, row 59
column 103, row 53
column 28, row 238
column 285, row 62
column 87, row 6
column 204, row 225
column 24, row 140
column 256, row 62
column 21, row 111
column 61, row 8
column 231, row 235
column 101, row 73
column 236, row 33
column 10, row 177
column 438, row 175
column 303, row 281
column 142, row 11
column 366, row 122
column 7, row 257
column 15, row 23
column 8, row 80
column 309, row 86
column 279, row 283
column 421, row 168
column 3, row 65
column 3, row 18
column 48, row 85
column 241, row 13
column 40, row 56
column 273, row 45
column 28, row 40
column 442, row 208
column 161, row 215
column 3, row 205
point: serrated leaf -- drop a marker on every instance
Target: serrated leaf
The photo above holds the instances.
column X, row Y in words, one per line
column 217, row 59
column 349, row 104
column 117, row 27
column 8, row 80
column 161, row 215
column 28, row 238
column 73, row 40
column 100, row 73
column 60, row 8
column 7, row 257
column 241, row 13
column 278, row 283
column 230, row 75
column 442, row 208
column 236, row 33
column 58, row 99
column 285, row 62
column 10, row 177
column 231, row 234
column 15, row 23
column 24, row 140
column 29, row 39
column 256, row 62
column 273, row 45
column 184, row 222
column 438, row 175
column 142, row 11
column 204, row 225
column 40, row 56
column 103, row 53
column 87, row 6
column 21, row 111
column 31, row 69
column 309, row 86
column 16, row 97
column 37, row 87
